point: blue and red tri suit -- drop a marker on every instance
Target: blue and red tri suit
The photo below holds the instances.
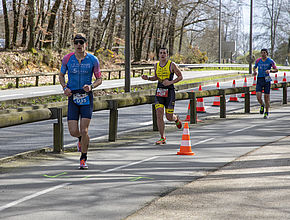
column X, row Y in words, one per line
column 262, row 82
column 80, row 74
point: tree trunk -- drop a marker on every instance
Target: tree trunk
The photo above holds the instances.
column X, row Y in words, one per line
column 61, row 29
column 31, row 24
column 16, row 12
column 6, row 21
column 120, row 28
column 51, row 23
column 110, row 30
column 67, row 24
column 24, row 27
column 86, row 20
column 171, row 34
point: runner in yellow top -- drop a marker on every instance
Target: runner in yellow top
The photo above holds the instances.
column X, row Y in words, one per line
column 165, row 94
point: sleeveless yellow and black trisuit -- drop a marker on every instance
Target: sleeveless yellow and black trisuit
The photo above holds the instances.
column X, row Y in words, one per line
column 165, row 95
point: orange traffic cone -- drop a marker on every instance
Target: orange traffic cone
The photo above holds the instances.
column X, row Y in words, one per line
column 245, row 85
column 275, row 81
column 254, row 84
column 185, row 147
column 199, row 103
column 188, row 114
column 216, row 99
column 233, row 97
column 284, row 78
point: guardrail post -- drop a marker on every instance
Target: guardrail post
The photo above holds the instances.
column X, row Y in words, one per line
column 193, row 113
column 113, row 124
column 36, row 80
column 17, row 82
column 284, row 92
column 247, row 100
column 54, row 80
column 109, row 75
column 222, row 104
column 57, row 130
column 154, row 118
column 120, row 74
column 149, row 72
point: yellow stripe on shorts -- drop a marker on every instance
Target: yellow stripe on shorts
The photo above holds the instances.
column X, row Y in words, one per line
column 159, row 106
column 169, row 110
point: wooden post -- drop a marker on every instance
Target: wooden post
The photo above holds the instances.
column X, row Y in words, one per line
column 222, row 104
column 134, row 71
column 120, row 74
column 193, row 114
column 57, row 130
column 284, row 92
column 54, row 80
column 17, row 82
column 247, row 100
column 154, row 118
column 113, row 124
column 109, row 75
column 36, row 80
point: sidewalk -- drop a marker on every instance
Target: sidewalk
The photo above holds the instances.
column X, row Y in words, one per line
column 254, row 186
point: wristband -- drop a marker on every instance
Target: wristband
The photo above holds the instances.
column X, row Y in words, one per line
column 92, row 86
column 64, row 88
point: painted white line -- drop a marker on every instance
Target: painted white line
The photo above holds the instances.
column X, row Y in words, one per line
column 232, row 132
column 39, row 92
column 11, row 204
column 15, row 94
column 146, row 123
column 200, row 142
column 130, row 164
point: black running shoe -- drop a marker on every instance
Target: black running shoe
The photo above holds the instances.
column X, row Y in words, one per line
column 262, row 109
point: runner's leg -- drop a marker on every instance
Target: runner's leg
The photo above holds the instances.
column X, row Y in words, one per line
column 160, row 121
column 84, row 127
column 73, row 128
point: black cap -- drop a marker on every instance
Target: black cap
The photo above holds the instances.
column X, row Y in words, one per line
column 80, row 37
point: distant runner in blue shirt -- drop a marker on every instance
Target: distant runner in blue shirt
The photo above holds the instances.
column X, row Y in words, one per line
column 265, row 66
column 80, row 67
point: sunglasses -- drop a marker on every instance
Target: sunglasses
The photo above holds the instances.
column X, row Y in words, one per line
column 81, row 42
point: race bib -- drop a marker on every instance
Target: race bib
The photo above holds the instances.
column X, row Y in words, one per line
column 81, row 99
column 268, row 79
column 162, row 92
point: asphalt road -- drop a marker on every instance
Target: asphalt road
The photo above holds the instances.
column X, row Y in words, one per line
column 122, row 180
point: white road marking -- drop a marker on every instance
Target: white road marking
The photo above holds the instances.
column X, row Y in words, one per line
column 232, row 132
column 146, row 123
column 39, row 92
column 200, row 142
column 11, row 204
column 128, row 165
column 11, row 95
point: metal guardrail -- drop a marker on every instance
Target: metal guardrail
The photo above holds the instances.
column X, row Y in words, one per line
column 54, row 75
column 113, row 105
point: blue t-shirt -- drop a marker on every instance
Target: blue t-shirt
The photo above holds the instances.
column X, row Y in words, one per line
column 264, row 65
column 80, row 74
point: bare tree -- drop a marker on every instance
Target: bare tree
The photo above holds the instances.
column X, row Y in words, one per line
column 6, row 21
column 87, row 19
column 31, row 26
column 51, row 24
column 16, row 12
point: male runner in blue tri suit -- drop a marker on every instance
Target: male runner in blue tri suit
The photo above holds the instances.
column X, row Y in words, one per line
column 165, row 93
column 80, row 66
column 264, row 65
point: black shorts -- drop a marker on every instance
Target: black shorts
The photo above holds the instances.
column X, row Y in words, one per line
column 74, row 110
column 168, row 102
